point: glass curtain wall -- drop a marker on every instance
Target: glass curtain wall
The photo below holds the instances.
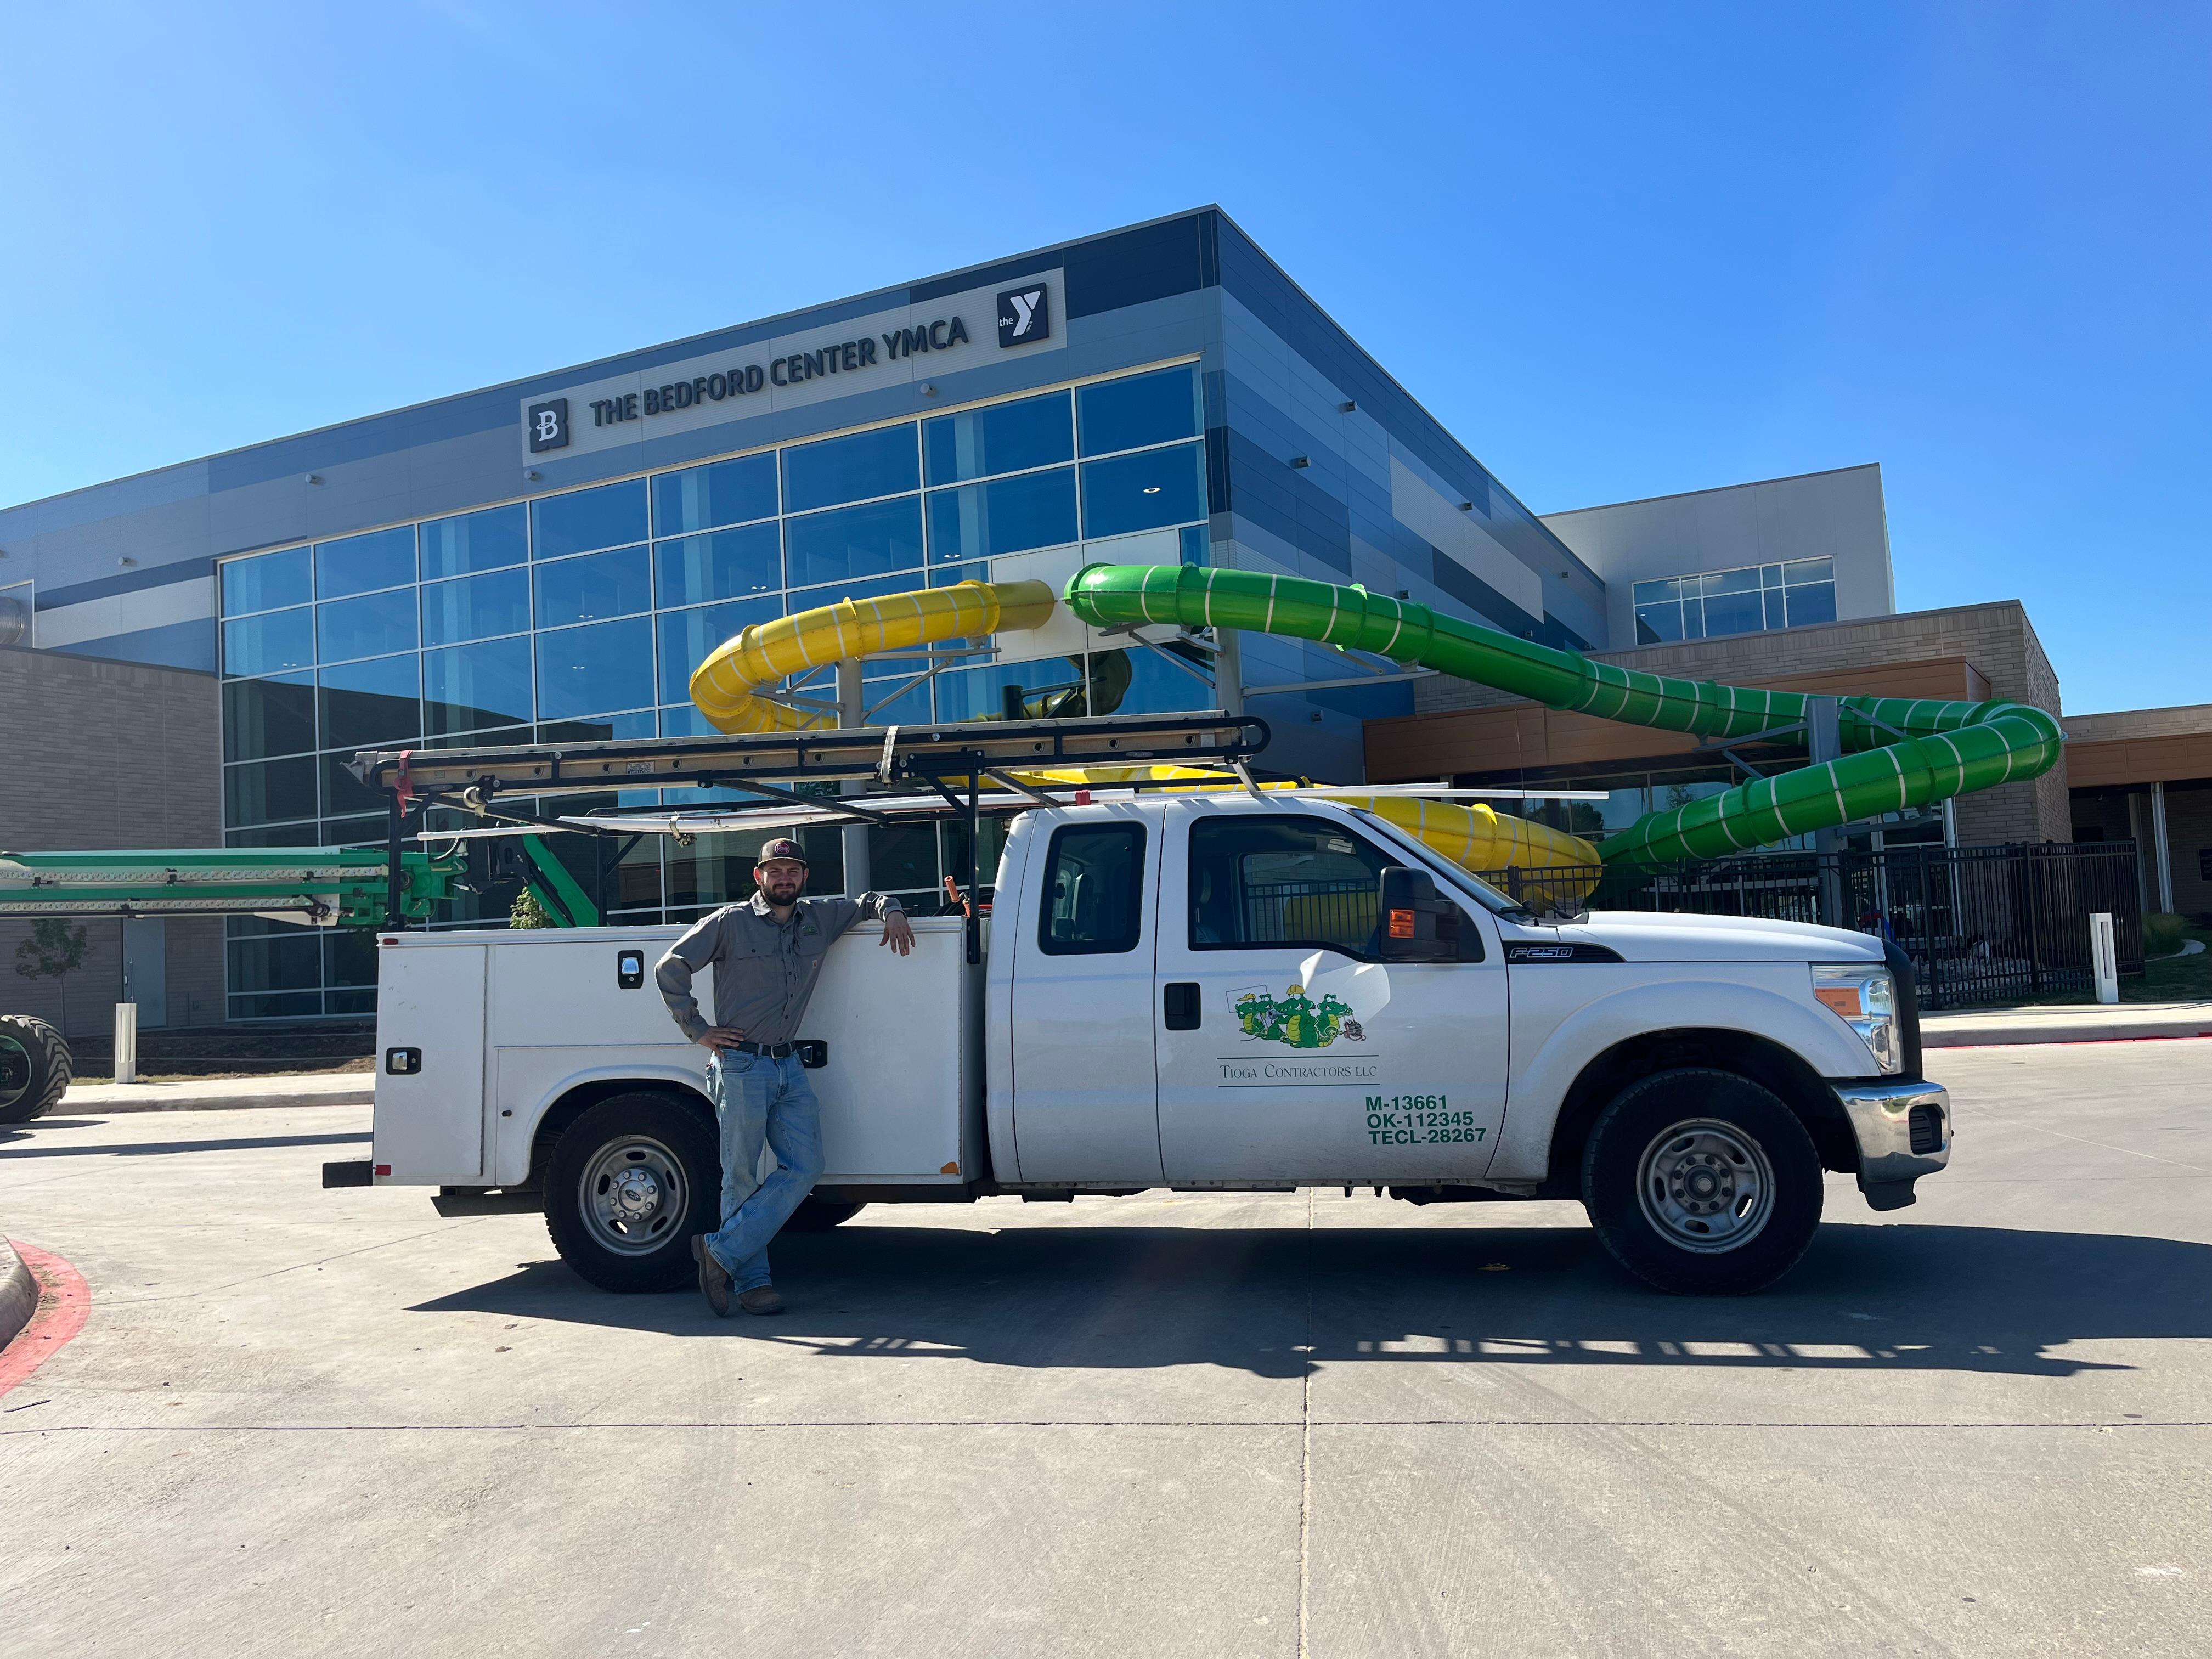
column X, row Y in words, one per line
column 579, row 617
column 1751, row 600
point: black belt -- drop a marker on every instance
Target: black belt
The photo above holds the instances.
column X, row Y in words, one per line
column 768, row 1050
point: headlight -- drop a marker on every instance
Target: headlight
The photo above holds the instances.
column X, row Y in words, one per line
column 1864, row 998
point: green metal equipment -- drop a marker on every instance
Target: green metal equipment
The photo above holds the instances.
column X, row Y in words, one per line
column 1899, row 751
column 332, row 886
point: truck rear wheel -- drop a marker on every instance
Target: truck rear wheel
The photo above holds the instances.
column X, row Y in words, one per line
column 35, row 1069
column 627, row 1185
column 1702, row 1183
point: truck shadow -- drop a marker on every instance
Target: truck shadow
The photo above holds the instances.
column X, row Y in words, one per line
column 1274, row 1301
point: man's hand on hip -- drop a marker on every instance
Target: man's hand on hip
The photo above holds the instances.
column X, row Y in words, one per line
column 896, row 934
column 719, row 1037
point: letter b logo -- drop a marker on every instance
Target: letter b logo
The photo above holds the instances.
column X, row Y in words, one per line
column 549, row 425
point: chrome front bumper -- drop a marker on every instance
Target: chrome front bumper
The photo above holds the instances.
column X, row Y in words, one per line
column 1888, row 1118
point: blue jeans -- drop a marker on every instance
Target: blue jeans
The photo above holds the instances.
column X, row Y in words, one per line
column 760, row 1100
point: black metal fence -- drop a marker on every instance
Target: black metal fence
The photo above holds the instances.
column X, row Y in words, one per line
column 1982, row 924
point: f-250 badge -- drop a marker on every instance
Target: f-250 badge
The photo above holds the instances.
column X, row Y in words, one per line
column 1295, row 1020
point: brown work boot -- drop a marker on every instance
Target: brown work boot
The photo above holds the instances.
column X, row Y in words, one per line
column 714, row 1276
column 761, row 1299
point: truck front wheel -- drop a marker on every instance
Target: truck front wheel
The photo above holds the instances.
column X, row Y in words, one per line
column 627, row 1185
column 1702, row 1183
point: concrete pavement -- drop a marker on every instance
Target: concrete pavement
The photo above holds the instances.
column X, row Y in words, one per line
column 1289, row 1424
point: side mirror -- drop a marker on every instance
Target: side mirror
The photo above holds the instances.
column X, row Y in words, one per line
column 1416, row 926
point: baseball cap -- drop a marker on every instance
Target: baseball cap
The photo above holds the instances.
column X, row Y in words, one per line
column 781, row 848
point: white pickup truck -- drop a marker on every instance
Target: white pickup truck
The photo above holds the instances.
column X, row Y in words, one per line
column 1203, row 993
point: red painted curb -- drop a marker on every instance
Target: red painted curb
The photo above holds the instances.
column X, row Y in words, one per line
column 64, row 1303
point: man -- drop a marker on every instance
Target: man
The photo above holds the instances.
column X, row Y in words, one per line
column 767, row 953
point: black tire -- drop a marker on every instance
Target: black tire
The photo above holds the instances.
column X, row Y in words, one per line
column 655, row 1173
column 36, row 1068
column 1681, row 1163
column 819, row 1215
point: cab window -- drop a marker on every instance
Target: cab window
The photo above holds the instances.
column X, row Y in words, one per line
column 1094, row 899
column 1267, row 883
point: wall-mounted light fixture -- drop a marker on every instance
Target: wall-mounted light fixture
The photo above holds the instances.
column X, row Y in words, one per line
column 315, row 478
column 1300, row 461
column 1346, row 407
column 1467, row 506
column 531, row 475
column 927, row 390
column 126, row 559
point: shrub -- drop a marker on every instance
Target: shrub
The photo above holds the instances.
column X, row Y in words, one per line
column 2163, row 932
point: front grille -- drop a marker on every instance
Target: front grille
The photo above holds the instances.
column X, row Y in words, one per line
column 1926, row 1123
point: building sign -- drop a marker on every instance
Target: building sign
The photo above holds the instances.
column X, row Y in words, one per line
column 1024, row 314
column 548, row 425
column 887, row 349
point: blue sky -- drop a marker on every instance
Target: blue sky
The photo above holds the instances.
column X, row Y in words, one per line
column 1618, row 251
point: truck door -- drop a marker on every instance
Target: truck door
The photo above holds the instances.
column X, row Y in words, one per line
column 1084, row 1082
column 1288, row 1051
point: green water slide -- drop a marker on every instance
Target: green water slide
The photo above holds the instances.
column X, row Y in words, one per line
column 1899, row 751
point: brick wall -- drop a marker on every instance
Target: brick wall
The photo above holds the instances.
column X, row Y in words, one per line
column 1995, row 638
column 97, row 755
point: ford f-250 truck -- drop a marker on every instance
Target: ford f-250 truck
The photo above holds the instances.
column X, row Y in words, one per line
column 1203, row 992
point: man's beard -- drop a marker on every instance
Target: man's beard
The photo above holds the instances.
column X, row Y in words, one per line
column 782, row 893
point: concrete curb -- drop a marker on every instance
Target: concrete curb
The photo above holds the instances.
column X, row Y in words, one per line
column 109, row 1105
column 1997, row 1034
column 19, row 1293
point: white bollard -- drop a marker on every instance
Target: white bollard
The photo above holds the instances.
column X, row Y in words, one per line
column 2104, row 958
column 126, row 1042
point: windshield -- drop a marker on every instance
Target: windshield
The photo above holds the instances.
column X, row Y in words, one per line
column 1465, row 880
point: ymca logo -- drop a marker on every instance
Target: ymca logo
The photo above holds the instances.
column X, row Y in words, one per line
column 549, row 425
column 1024, row 314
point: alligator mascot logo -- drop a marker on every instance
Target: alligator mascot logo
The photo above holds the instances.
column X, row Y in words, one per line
column 1296, row 1019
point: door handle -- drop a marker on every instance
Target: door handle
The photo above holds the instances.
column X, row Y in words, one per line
column 1179, row 1003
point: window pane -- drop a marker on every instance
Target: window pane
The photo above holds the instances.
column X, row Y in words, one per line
column 687, row 636
column 265, row 582
column 1004, row 438
column 618, row 584
column 880, row 463
column 475, row 607
column 853, row 542
column 1770, row 575
column 489, row 737
column 1808, row 570
column 945, row 575
column 714, row 869
column 368, row 626
column 1656, row 593
column 725, row 566
column 587, row 520
column 1094, row 883
column 1732, row 581
column 585, row 671
column 1155, row 686
column 383, row 558
column 1034, row 510
column 1734, row 613
column 1142, row 492
column 1693, row 619
column 1268, row 882
column 261, row 718
column 1776, row 615
column 607, row 728
column 685, row 722
column 1656, row 624
column 1145, row 409
column 909, row 708
column 271, row 643
column 1052, row 689
column 282, row 960
column 1816, row 604
column 289, row 835
column 474, row 685
column 269, row 791
column 728, row 492
column 370, row 703
column 475, row 541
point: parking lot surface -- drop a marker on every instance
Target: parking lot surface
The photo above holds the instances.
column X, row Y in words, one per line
column 301, row 1421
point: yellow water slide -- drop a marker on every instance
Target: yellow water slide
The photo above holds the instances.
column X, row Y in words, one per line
column 729, row 688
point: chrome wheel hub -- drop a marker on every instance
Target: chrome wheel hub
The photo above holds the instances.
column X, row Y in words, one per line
column 632, row 1195
column 1706, row 1186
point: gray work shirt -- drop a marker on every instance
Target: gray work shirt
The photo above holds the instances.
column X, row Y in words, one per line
column 764, row 969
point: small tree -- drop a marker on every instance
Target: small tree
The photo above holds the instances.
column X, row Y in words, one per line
column 527, row 912
column 54, row 951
